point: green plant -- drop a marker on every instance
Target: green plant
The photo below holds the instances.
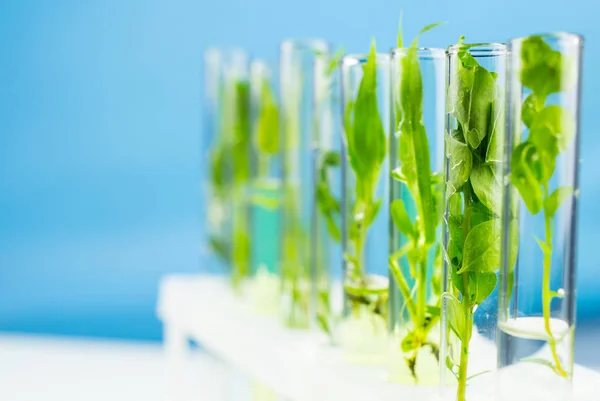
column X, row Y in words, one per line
column 240, row 153
column 533, row 161
column 327, row 203
column 220, row 165
column 366, row 146
column 267, row 130
column 422, row 185
column 217, row 166
column 266, row 145
column 474, row 152
column 294, row 252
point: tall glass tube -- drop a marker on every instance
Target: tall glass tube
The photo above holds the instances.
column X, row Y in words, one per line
column 266, row 189
column 236, row 130
column 415, row 265
column 365, row 205
column 472, row 225
column 300, row 63
column 327, row 234
column 222, row 67
column 537, row 309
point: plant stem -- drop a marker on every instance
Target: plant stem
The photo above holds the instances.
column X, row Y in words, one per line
column 546, row 297
column 360, row 240
column 401, row 252
column 464, row 352
column 422, row 293
column 404, row 289
column 468, row 308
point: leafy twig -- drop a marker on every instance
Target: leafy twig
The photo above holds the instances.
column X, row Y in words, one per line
column 551, row 130
column 415, row 173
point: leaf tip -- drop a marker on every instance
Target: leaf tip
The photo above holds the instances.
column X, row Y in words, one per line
column 400, row 42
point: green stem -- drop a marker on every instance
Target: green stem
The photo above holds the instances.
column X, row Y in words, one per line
column 546, row 295
column 468, row 308
column 360, row 240
column 404, row 289
column 464, row 352
column 401, row 252
column 422, row 293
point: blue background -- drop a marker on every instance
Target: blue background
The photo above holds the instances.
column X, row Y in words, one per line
column 100, row 116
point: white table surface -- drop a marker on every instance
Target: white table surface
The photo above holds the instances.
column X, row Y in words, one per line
column 65, row 369
column 301, row 365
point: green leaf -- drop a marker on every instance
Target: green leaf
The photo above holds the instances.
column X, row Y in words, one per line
column 415, row 165
column 456, row 241
column 333, row 229
column 427, row 28
column 531, row 107
column 217, row 169
column 479, row 213
column 481, row 285
column 552, row 130
column 481, row 252
column 241, row 131
column 414, row 146
column 268, row 122
column 455, row 258
column 553, row 202
column 400, row 42
column 457, row 280
column 323, row 323
column 456, row 315
column 455, row 205
column 471, row 94
column 334, row 62
column 371, row 212
column 364, row 132
column 495, row 149
column 525, row 175
column 460, row 162
column 487, row 187
column 219, row 247
column 542, row 67
column 401, row 219
column 328, row 206
column 331, row 159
